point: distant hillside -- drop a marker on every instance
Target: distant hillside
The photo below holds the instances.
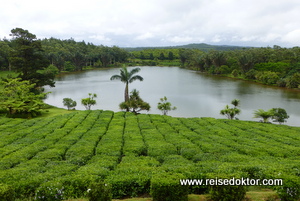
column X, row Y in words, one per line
column 200, row 46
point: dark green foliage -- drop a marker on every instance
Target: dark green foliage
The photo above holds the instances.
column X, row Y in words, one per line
column 99, row 192
column 69, row 66
column 267, row 77
column 290, row 190
column 251, row 74
column 129, row 183
column 69, row 103
column 28, row 58
column 227, row 193
column 135, row 103
column 279, row 115
column 293, row 81
column 7, row 193
column 49, row 191
column 166, row 187
column 132, row 176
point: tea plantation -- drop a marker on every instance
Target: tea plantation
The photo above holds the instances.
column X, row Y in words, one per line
column 129, row 155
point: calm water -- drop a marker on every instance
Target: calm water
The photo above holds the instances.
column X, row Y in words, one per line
column 194, row 94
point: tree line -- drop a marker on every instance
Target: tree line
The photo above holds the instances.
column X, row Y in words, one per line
column 267, row 65
column 32, row 57
column 66, row 55
column 272, row 66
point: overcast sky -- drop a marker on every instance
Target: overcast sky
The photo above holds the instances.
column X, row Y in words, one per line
column 132, row 23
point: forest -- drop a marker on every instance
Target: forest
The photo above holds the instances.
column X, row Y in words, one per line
column 275, row 65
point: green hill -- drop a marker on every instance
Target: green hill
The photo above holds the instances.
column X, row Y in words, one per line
column 201, row 46
column 65, row 154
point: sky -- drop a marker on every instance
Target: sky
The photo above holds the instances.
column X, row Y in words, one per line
column 140, row 23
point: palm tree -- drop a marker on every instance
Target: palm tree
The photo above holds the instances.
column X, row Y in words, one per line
column 265, row 115
column 127, row 77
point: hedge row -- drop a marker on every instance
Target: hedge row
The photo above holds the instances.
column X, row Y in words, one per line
column 128, row 155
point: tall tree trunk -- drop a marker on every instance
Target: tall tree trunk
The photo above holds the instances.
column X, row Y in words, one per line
column 126, row 95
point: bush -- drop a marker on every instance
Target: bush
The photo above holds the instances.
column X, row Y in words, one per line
column 166, row 187
column 129, row 184
column 99, row 192
column 290, row 190
column 7, row 193
column 293, row 81
column 50, row 191
column 251, row 74
column 267, row 77
column 235, row 73
column 227, row 193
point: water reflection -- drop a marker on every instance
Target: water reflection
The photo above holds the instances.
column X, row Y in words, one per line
column 194, row 94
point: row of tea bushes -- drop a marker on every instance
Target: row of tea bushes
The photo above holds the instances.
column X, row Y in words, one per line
column 126, row 154
column 156, row 145
column 133, row 139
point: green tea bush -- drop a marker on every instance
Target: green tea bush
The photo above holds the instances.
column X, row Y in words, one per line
column 166, row 187
column 129, row 183
column 76, row 185
column 226, row 192
column 132, row 176
column 99, row 192
column 290, row 190
column 7, row 193
column 49, row 191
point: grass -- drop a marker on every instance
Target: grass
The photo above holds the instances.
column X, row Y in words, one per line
column 52, row 111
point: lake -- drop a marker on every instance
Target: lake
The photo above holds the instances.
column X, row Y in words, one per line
column 194, row 94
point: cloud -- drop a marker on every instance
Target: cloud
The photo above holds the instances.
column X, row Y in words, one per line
column 156, row 22
column 292, row 36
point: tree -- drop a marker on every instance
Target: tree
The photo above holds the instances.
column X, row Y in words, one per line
column 171, row 55
column 230, row 113
column 235, row 102
column 265, row 115
column 27, row 58
column 18, row 100
column 165, row 106
column 293, row 81
column 88, row 102
column 69, row 103
column 279, row 115
column 218, row 58
column 185, row 55
column 127, row 77
column 135, row 104
column 5, row 50
column 161, row 56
